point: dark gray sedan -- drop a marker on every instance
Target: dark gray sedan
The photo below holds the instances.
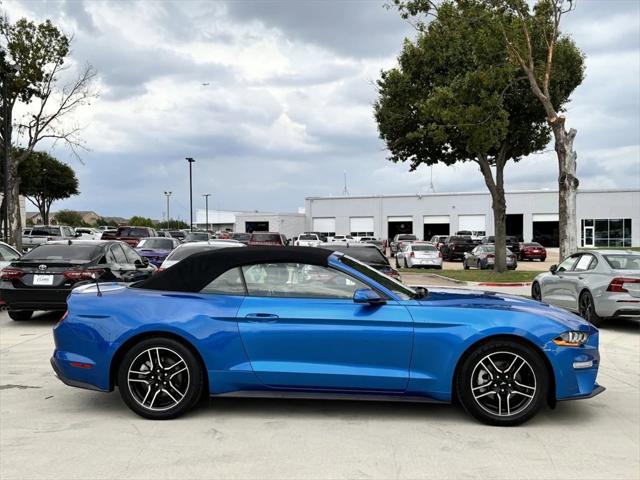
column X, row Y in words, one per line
column 484, row 256
column 597, row 284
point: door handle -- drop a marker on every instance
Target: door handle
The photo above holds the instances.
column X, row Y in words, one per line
column 261, row 317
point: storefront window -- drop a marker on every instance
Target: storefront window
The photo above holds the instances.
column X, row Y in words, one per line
column 606, row 232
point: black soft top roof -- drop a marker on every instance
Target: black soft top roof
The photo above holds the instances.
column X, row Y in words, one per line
column 198, row 270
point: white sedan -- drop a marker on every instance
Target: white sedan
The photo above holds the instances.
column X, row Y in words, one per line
column 183, row 250
column 419, row 255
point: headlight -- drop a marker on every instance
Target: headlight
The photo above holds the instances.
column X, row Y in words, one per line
column 571, row 339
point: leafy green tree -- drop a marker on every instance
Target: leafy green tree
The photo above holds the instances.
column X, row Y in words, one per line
column 71, row 218
column 174, row 224
column 455, row 96
column 139, row 221
column 32, row 63
column 44, row 180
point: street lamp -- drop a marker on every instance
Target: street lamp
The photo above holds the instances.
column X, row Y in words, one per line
column 168, row 195
column 206, row 209
column 191, row 161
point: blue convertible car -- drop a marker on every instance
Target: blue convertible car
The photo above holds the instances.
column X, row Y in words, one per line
column 299, row 321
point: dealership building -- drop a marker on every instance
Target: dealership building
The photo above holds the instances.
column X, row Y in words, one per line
column 606, row 218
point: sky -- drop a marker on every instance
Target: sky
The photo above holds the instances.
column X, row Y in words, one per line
column 274, row 100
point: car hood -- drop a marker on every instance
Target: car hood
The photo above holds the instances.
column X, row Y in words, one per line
column 460, row 297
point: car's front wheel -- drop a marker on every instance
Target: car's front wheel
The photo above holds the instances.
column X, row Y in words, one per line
column 20, row 315
column 536, row 292
column 160, row 378
column 502, row 383
column 588, row 309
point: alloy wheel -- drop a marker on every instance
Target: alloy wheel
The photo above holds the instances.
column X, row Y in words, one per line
column 158, row 379
column 586, row 307
column 503, row 383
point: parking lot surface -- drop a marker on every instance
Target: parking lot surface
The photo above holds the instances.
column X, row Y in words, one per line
column 49, row 430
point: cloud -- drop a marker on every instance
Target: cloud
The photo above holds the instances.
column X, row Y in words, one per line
column 274, row 100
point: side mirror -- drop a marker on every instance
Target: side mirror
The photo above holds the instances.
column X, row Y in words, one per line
column 553, row 269
column 369, row 296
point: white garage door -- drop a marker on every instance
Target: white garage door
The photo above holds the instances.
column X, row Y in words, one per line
column 362, row 225
column 400, row 219
column 324, row 225
column 545, row 217
column 436, row 219
column 473, row 223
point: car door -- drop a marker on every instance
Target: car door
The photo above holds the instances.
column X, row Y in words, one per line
column 301, row 329
column 556, row 288
column 577, row 277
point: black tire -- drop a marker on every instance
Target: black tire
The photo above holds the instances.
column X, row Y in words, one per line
column 507, row 383
column 397, row 264
column 587, row 309
column 536, row 291
column 406, row 265
column 190, row 384
column 464, row 265
column 20, row 315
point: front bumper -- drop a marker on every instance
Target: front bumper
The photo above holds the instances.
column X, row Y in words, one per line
column 576, row 369
column 35, row 298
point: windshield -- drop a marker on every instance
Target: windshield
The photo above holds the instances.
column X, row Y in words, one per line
column 407, row 237
column 460, row 239
column 197, row 237
column 46, row 231
column 66, row 253
column 156, row 243
column 402, row 291
column 424, row 248
column 265, row 237
column 623, row 261
column 364, row 254
column 241, row 236
column 133, row 232
column 307, row 237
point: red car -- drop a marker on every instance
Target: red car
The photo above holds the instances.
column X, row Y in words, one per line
column 267, row 238
column 130, row 235
column 532, row 251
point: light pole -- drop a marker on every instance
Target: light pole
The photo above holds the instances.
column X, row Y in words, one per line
column 168, row 195
column 206, row 209
column 191, row 161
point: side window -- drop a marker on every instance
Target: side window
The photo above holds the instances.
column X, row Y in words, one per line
column 229, row 283
column 107, row 258
column 118, row 254
column 586, row 262
column 131, row 254
column 299, row 281
column 567, row 264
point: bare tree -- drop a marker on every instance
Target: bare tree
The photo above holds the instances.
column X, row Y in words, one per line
column 533, row 40
column 38, row 54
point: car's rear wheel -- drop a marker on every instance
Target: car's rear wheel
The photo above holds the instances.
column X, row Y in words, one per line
column 587, row 309
column 502, row 383
column 160, row 378
column 536, row 292
column 20, row 315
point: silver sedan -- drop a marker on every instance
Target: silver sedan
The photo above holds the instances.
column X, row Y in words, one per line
column 597, row 284
column 419, row 254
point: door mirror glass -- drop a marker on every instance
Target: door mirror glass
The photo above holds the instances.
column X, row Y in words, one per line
column 367, row 295
column 553, row 269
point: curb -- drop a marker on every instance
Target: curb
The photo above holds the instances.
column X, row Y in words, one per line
column 441, row 277
column 504, row 284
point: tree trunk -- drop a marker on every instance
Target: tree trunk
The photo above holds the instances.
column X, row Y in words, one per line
column 567, row 187
column 499, row 207
column 15, row 220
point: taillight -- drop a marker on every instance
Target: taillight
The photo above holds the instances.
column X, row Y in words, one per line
column 66, row 314
column 412, row 254
column 77, row 275
column 617, row 283
column 11, row 273
column 439, row 254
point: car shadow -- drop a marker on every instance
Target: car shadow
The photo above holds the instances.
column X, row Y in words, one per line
column 39, row 319
column 621, row 324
